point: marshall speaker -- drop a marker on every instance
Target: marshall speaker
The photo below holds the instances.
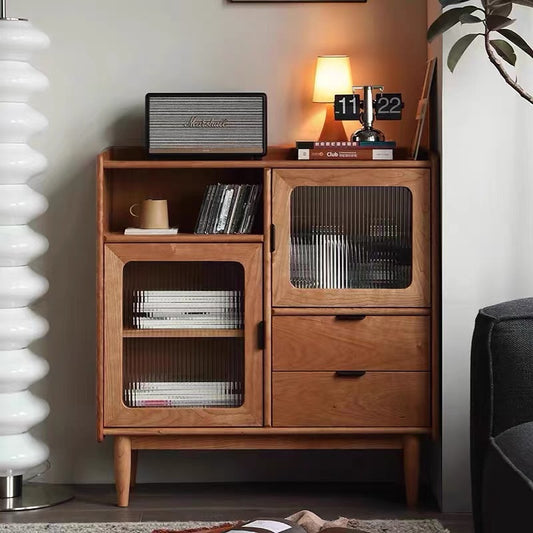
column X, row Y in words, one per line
column 206, row 125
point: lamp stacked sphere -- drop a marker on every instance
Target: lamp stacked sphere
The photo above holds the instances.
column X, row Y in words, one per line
column 20, row 286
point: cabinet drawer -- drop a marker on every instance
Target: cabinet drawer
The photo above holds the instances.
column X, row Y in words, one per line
column 329, row 343
column 376, row 399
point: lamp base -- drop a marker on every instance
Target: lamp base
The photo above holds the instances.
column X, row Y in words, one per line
column 333, row 130
column 368, row 134
column 37, row 496
column 10, row 486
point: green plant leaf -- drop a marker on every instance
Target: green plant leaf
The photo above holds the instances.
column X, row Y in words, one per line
column 527, row 3
column 469, row 19
column 504, row 50
column 446, row 3
column 492, row 5
column 447, row 20
column 459, row 48
column 516, row 39
column 497, row 22
column 504, row 10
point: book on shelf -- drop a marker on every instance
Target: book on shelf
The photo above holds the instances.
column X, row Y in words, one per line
column 345, row 144
column 178, row 386
column 151, row 231
column 236, row 206
column 225, row 204
column 377, row 144
column 332, row 154
column 345, row 150
column 228, row 208
column 183, row 393
column 169, row 323
column 216, row 209
column 226, row 401
column 204, row 209
column 209, row 309
column 180, row 295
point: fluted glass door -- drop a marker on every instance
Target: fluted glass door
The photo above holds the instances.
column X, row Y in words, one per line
column 351, row 238
column 181, row 335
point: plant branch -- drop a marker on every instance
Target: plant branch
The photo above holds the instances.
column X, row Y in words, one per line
column 496, row 61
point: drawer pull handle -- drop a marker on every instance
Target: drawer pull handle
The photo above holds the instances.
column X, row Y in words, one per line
column 350, row 317
column 350, row 373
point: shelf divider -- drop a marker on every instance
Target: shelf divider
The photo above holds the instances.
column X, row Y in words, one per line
column 184, row 237
column 176, row 333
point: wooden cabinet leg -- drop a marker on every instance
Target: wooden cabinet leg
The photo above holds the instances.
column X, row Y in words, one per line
column 134, row 460
column 122, row 469
column 411, row 468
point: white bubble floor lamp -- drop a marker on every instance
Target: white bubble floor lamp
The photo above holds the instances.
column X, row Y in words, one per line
column 20, row 286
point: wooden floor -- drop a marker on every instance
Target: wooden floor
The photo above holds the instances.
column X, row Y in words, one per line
column 227, row 502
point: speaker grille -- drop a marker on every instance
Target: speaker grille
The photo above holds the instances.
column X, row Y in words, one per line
column 206, row 124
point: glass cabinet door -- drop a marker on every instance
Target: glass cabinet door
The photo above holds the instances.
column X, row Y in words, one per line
column 351, row 238
column 181, row 342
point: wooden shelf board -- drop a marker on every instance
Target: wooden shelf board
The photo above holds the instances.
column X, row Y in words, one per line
column 268, row 431
column 166, row 333
column 135, row 157
column 183, row 237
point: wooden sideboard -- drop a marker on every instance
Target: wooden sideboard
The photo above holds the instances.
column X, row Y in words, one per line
column 339, row 278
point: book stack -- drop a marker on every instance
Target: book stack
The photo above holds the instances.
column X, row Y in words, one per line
column 187, row 310
column 228, row 209
column 346, row 150
column 183, row 394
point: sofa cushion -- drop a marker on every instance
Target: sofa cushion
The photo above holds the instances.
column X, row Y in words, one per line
column 516, row 445
column 506, row 499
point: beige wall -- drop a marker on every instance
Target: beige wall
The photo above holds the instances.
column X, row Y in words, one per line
column 105, row 56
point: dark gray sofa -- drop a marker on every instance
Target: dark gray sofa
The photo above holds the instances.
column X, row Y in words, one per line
column 501, row 427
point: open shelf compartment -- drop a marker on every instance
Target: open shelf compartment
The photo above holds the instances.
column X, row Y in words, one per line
column 184, row 189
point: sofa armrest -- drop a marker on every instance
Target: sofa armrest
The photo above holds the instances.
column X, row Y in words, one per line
column 502, row 364
column 501, row 378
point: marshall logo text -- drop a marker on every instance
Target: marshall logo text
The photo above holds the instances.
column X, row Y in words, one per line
column 197, row 122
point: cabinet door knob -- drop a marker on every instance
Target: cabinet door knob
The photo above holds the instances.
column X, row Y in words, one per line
column 350, row 373
column 350, row 317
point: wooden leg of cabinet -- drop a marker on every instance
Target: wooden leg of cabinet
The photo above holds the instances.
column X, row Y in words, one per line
column 123, row 464
column 134, row 460
column 411, row 468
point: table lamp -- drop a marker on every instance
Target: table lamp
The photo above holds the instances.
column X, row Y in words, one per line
column 333, row 76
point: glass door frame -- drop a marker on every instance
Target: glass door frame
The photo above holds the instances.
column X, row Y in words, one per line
column 116, row 413
column 417, row 294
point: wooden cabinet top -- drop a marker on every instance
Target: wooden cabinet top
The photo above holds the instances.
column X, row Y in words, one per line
column 277, row 157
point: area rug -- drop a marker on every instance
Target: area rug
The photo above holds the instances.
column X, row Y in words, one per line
column 368, row 526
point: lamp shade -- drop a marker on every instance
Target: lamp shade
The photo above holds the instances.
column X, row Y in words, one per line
column 333, row 76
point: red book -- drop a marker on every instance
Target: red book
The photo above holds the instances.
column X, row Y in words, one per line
column 346, row 153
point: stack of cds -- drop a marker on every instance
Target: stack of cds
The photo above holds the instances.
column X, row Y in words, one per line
column 187, row 310
column 184, row 394
column 228, row 209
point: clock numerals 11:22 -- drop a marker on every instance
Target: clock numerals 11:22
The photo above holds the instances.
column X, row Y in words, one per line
column 389, row 106
column 347, row 106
